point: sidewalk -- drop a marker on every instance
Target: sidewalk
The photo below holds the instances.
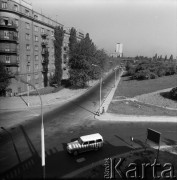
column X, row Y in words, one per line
column 135, row 118
column 64, row 95
column 108, row 99
column 19, row 103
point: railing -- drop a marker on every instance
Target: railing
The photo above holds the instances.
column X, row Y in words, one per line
column 10, row 38
column 44, row 34
column 9, row 26
column 44, row 51
column 8, row 51
column 12, row 63
column 44, row 43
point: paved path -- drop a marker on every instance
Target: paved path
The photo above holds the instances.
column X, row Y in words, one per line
column 109, row 98
column 135, row 118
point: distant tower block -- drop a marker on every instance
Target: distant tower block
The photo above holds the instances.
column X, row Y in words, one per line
column 119, row 49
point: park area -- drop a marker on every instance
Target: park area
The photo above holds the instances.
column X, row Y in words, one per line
column 145, row 97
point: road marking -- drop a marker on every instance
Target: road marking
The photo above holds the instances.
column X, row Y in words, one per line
column 80, row 160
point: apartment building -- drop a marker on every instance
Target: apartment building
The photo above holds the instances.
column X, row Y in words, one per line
column 27, row 45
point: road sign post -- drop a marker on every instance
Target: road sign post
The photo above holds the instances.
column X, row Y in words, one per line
column 153, row 136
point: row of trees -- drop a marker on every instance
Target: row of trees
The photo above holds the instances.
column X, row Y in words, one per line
column 85, row 60
column 156, row 57
column 150, row 69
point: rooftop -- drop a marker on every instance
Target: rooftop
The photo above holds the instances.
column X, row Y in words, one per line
column 91, row 137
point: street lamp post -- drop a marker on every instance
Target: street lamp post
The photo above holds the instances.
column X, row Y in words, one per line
column 42, row 126
column 100, row 86
column 115, row 76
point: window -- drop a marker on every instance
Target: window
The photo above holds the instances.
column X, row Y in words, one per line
column 36, row 57
column 7, row 59
column 37, row 85
column 91, row 142
column 36, row 48
column 4, row 5
column 35, row 17
column 27, row 26
column 16, row 22
column 28, row 47
column 42, row 30
column 15, row 7
column 28, row 77
column 28, row 58
column 35, row 28
column 85, row 143
column 36, row 66
column 26, row 12
column 36, row 38
column 6, row 34
column 28, row 68
column 27, row 37
column 36, row 76
column 99, row 140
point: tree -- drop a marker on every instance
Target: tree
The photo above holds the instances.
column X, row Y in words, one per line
column 171, row 58
column 58, row 42
column 80, row 62
column 165, row 57
column 155, row 57
column 4, row 79
column 72, row 41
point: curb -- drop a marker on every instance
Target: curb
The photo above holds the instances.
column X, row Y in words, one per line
column 134, row 118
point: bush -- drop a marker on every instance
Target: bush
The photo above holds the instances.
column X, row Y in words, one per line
column 153, row 75
column 173, row 93
column 142, row 75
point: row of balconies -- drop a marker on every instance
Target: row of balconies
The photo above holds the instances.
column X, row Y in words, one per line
column 8, row 51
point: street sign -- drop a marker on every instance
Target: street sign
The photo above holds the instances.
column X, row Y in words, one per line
column 153, row 136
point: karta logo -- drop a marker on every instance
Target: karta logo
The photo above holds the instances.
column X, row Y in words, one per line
column 140, row 170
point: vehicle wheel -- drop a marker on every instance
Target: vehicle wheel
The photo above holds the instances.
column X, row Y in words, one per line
column 75, row 153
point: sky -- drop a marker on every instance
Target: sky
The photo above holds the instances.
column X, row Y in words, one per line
column 144, row 27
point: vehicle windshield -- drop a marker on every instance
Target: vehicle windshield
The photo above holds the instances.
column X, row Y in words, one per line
column 80, row 141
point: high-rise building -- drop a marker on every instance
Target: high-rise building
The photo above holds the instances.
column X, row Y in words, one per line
column 119, row 49
column 27, row 44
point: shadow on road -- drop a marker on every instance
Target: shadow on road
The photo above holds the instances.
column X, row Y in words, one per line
column 60, row 163
column 18, row 170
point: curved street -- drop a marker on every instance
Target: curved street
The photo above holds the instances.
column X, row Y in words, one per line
column 65, row 123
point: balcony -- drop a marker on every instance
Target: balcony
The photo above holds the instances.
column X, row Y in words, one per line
column 8, row 51
column 9, row 39
column 45, row 69
column 44, row 43
column 43, row 52
column 44, row 34
column 9, row 26
column 11, row 63
column 13, row 74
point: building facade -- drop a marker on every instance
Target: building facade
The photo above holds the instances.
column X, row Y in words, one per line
column 27, row 45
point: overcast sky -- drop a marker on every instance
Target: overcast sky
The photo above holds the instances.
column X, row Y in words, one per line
column 145, row 27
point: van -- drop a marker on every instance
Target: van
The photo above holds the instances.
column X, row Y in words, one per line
column 85, row 143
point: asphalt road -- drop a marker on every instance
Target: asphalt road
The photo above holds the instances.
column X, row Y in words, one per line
column 63, row 124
